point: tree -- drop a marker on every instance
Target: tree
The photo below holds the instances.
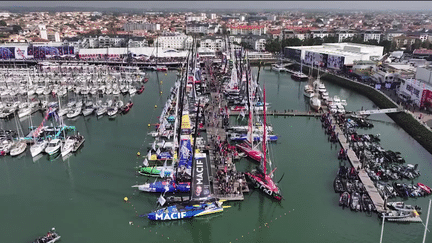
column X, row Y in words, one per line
column 3, row 23
column 387, row 45
column 330, row 39
column 16, row 28
column 426, row 44
column 246, row 45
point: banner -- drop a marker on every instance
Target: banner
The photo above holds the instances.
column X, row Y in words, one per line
column 335, row 62
column 185, row 161
column 200, row 181
column 426, row 98
column 20, row 53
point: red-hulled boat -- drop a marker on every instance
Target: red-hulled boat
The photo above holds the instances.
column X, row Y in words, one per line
column 127, row 107
column 247, row 147
column 425, row 188
column 260, row 178
column 141, row 89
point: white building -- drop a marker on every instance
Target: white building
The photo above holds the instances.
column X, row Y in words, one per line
column 321, row 33
column 390, row 34
column 247, row 29
column 43, row 32
column 372, row 35
column 176, row 41
column 343, row 34
column 214, row 43
column 197, row 28
column 138, row 51
column 257, row 42
column 213, row 16
column 195, row 18
column 130, row 26
column 334, row 55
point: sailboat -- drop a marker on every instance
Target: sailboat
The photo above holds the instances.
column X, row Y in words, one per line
column 248, row 146
column 259, row 177
column 19, row 147
column 300, row 76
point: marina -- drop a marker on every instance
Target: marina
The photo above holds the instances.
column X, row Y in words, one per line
column 78, row 176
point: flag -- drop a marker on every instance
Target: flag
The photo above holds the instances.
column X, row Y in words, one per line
column 161, row 200
column 154, row 145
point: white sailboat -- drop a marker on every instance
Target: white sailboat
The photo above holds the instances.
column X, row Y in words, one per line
column 19, row 147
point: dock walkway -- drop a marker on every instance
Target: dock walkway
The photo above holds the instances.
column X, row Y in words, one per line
column 364, row 177
column 280, row 113
column 215, row 131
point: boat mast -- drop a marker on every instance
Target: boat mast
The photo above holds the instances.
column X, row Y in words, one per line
column 264, row 136
column 194, row 146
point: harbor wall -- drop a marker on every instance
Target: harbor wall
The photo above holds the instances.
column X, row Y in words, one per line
column 405, row 120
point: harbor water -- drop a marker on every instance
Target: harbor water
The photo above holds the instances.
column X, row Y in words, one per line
column 82, row 196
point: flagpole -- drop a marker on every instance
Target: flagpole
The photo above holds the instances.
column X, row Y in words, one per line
column 427, row 222
column 382, row 229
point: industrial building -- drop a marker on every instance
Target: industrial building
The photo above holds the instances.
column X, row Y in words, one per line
column 334, row 55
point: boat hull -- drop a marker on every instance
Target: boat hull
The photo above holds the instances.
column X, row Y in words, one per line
column 258, row 183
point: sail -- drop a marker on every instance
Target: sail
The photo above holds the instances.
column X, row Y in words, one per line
column 200, row 180
column 185, row 161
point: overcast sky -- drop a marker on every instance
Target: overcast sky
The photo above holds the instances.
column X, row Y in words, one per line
column 255, row 5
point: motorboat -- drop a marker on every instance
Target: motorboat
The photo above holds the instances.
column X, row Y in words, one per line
column 53, row 146
column 24, row 112
column 161, row 68
column 67, row 146
column 132, row 90
column 425, row 188
column 18, row 148
column 88, row 111
column 50, row 237
column 38, row 147
column 101, row 111
column 74, row 112
column 355, row 201
column 141, row 89
column 6, row 146
column 344, row 199
column 278, row 67
column 401, row 206
column 112, row 112
column 315, row 103
column 308, row 91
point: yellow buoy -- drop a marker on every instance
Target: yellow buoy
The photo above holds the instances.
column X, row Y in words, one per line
column 148, row 125
column 161, row 92
column 155, row 106
column 125, row 199
column 138, row 154
column 166, row 74
column 161, row 82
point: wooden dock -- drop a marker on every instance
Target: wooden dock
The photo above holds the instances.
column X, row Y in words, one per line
column 364, row 177
column 216, row 131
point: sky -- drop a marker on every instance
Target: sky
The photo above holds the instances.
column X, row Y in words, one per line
column 253, row 5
